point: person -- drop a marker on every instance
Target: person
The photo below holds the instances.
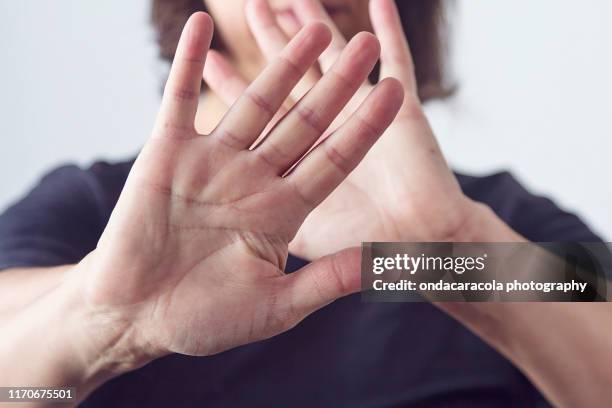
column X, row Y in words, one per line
column 170, row 275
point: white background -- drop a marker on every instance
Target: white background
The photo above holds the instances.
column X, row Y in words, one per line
column 80, row 80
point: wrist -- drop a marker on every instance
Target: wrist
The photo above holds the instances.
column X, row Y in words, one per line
column 105, row 335
column 61, row 341
column 479, row 223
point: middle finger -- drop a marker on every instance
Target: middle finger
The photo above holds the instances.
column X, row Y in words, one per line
column 271, row 40
column 313, row 114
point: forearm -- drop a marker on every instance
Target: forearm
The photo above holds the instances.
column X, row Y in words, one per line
column 564, row 348
column 21, row 286
column 55, row 342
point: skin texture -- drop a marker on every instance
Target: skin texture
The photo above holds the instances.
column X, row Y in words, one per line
column 403, row 190
column 207, row 209
column 199, row 237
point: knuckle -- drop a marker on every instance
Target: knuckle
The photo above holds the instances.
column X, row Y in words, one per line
column 184, row 94
column 328, row 282
column 173, row 130
column 260, row 102
column 338, row 160
column 310, row 117
column 303, row 198
column 193, row 60
column 229, row 139
column 318, row 285
column 270, row 154
column 367, row 130
column 294, row 71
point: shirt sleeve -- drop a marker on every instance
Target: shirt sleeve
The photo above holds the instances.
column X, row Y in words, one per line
column 536, row 217
column 58, row 222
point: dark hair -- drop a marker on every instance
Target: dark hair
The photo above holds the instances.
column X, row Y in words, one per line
column 423, row 21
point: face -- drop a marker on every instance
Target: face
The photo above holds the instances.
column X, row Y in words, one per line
column 351, row 17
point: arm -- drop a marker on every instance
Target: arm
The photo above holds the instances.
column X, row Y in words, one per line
column 200, row 234
column 564, row 348
column 404, row 191
column 55, row 342
column 58, row 340
column 21, row 286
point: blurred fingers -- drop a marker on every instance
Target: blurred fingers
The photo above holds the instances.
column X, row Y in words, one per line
column 396, row 59
column 223, row 79
column 310, row 117
column 259, row 103
column 262, row 22
column 271, row 39
column 324, row 168
column 312, row 10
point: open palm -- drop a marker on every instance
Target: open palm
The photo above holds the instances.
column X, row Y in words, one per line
column 403, row 190
column 192, row 259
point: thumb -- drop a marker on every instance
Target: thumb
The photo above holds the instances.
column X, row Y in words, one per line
column 322, row 282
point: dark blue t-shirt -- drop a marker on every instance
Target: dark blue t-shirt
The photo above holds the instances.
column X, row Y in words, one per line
column 348, row 354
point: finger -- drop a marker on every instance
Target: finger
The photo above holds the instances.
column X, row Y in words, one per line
column 312, row 10
column 182, row 91
column 324, row 168
column 262, row 22
column 322, row 282
column 256, row 107
column 396, row 59
column 271, row 39
column 289, row 22
column 223, row 79
column 302, row 126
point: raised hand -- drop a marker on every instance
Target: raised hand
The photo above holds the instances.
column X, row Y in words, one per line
column 403, row 190
column 192, row 259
